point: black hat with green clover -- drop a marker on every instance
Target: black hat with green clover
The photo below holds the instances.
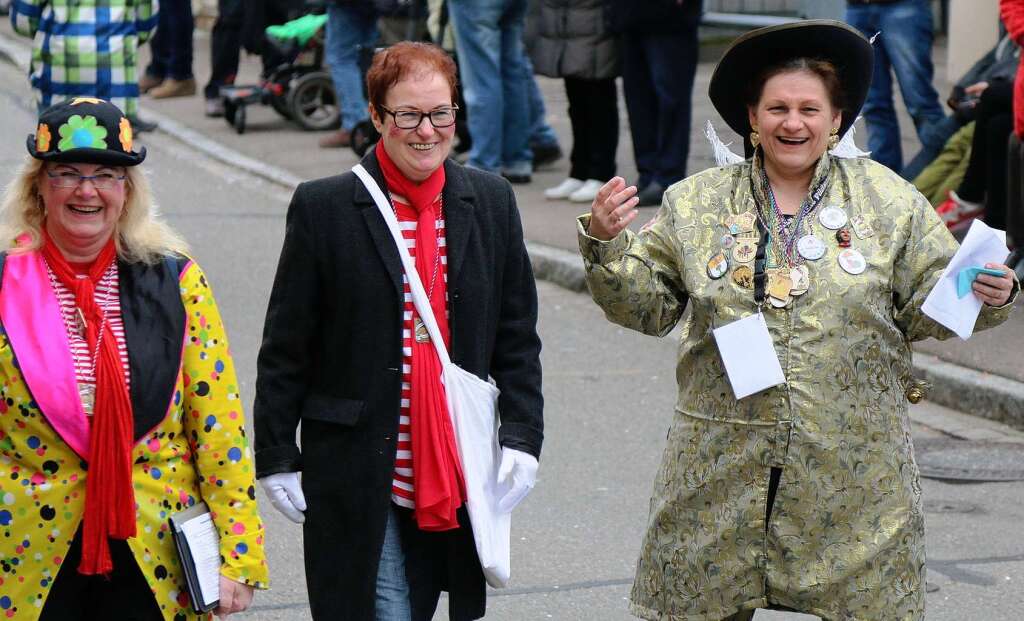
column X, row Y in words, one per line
column 85, row 130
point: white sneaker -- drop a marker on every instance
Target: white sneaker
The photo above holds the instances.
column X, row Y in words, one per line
column 563, row 189
column 587, row 192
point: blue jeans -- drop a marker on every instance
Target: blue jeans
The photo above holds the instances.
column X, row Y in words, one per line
column 392, row 585
column 496, row 78
column 905, row 46
column 348, row 32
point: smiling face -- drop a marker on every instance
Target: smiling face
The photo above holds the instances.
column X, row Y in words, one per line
column 794, row 117
column 81, row 219
column 417, row 152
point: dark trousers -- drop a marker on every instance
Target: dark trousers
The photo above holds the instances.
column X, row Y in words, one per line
column 171, row 45
column 124, row 596
column 657, row 79
column 594, row 114
column 225, row 46
column 985, row 179
column 442, row 561
column 1015, row 193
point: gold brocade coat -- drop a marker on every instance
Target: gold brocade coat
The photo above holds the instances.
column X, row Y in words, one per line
column 846, row 536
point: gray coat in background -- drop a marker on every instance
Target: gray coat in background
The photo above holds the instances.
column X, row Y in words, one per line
column 572, row 40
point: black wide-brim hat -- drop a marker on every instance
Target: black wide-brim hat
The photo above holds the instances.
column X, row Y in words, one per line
column 823, row 39
column 84, row 130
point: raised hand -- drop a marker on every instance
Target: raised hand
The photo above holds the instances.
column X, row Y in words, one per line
column 613, row 209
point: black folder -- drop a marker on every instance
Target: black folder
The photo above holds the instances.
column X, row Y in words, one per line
column 187, row 546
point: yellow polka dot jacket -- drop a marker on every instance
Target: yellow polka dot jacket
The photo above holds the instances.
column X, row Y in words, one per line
column 845, row 538
column 189, row 431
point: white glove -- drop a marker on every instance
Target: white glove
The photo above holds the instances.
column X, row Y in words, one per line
column 523, row 469
column 285, row 493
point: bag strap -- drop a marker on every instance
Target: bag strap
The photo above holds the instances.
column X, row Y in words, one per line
column 419, row 296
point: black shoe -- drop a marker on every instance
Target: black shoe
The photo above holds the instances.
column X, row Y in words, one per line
column 516, row 179
column 139, row 126
column 650, row 195
column 546, row 154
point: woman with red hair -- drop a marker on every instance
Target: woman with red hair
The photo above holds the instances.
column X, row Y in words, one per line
column 346, row 359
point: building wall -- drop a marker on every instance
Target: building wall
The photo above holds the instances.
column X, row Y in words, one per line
column 973, row 30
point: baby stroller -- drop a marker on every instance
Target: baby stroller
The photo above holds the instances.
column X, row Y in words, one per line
column 298, row 87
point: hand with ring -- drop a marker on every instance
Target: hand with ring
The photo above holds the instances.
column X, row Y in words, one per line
column 613, row 209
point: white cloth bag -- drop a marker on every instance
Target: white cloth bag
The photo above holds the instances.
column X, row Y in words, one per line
column 473, row 408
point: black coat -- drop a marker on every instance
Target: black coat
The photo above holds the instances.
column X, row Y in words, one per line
column 331, row 358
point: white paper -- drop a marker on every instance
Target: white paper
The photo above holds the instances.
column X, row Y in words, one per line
column 749, row 356
column 982, row 245
column 204, row 544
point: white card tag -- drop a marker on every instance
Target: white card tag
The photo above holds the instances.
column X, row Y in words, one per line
column 749, row 356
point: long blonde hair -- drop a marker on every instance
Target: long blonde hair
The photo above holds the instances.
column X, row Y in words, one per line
column 141, row 234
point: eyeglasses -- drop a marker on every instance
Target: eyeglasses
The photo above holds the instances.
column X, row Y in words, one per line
column 70, row 179
column 411, row 119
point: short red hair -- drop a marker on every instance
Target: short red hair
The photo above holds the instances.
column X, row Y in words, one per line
column 397, row 62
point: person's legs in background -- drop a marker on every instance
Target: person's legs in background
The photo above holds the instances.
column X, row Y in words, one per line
column 478, row 42
column 878, row 111
column 156, row 70
column 971, row 196
column 946, row 171
column 593, row 111
column 575, row 94
column 907, row 32
column 673, row 68
column 175, row 30
column 349, row 31
column 543, row 140
column 225, row 48
column 641, row 105
column 516, row 82
column 939, row 135
column 999, row 129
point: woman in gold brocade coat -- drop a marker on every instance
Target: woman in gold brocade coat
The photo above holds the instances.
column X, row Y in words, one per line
column 804, row 496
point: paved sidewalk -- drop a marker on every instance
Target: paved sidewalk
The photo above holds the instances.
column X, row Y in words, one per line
column 984, row 376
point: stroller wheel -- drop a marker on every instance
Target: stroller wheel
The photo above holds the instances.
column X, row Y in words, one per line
column 364, row 136
column 239, row 122
column 312, row 102
column 230, row 108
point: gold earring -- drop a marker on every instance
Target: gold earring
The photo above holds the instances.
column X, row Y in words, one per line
column 755, row 138
column 833, row 138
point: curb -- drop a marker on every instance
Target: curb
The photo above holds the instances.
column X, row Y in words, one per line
column 970, row 391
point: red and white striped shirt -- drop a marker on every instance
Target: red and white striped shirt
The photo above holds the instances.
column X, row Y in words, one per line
column 402, row 487
column 109, row 301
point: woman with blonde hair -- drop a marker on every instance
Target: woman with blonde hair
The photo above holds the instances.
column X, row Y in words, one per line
column 119, row 397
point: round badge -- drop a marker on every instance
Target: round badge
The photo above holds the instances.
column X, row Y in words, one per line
column 745, row 250
column 810, row 247
column 727, row 241
column 718, row 266
column 743, row 276
column 852, row 261
column 832, row 218
column 801, row 280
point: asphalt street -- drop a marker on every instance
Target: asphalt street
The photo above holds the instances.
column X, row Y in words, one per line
column 609, row 396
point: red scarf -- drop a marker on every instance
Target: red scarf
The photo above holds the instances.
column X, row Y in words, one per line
column 439, row 486
column 109, row 498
